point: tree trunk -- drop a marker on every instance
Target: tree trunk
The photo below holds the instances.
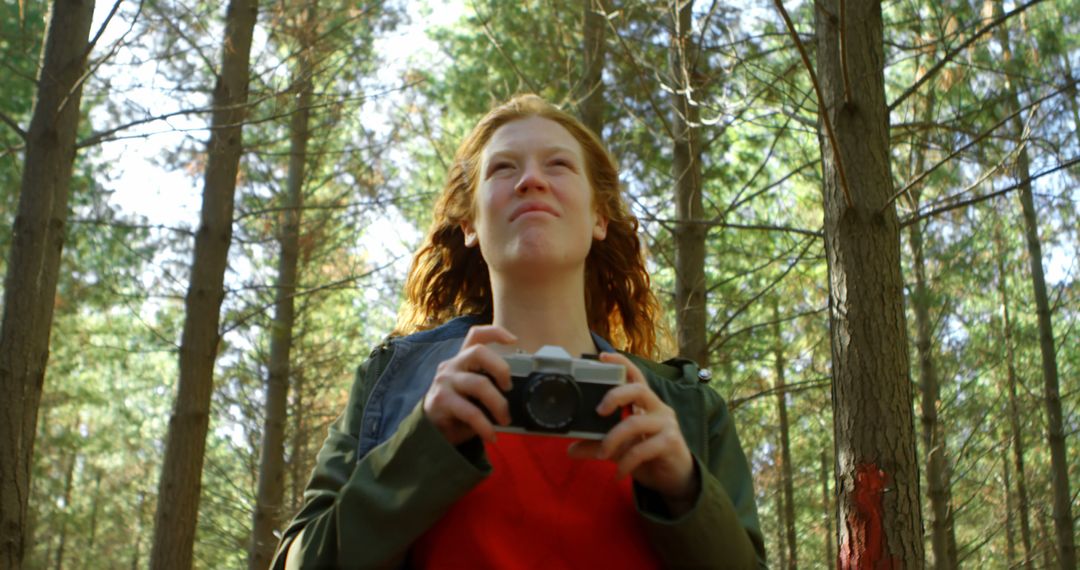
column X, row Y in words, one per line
column 1059, row 467
column 181, row 474
column 827, row 512
column 1010, row 532
column 785, row 443
column 938, row 483
column 690, row 301
column 271, row 487
column 34, row 261
column 298, row 457
column 878, row 477
column 590, row 91
column 1014, row 412
column 65, row 513
column 95, row 501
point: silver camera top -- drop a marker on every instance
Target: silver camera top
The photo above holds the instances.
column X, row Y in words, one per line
column 555, row 360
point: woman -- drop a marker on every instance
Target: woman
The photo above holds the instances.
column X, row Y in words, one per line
column 532, row 245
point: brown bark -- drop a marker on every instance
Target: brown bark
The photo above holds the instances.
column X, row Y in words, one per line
column 942, row 533
column 785, row 444
column 1059, row 467
column 690, row 314
column 1017, row 436
column 878, row 487
column 271, row 486
column 34, row 261
column 181, row 474
column 1010, row 532
column 943, row 537
column 298, row 457
column 590, row 90
column 827, row 512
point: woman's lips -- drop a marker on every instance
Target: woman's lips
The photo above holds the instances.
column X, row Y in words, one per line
column 530, row 207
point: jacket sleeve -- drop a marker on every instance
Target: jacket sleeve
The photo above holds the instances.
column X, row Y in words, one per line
column 364, row 513
column 721, row 529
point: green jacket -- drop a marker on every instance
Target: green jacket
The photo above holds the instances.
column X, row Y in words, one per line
column 385, row 474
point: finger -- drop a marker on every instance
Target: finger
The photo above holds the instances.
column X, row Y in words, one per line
column 628, row 432
column 483, row 334
column 481, row 358
column 639, row 395
column 633, row 373
column 645, row 451
column 466, row 412
column 480, row 389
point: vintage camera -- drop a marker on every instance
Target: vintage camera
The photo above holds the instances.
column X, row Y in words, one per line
column 555, row 394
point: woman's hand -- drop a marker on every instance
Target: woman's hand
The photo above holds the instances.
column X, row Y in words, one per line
column 648, row 444
column 472, row 378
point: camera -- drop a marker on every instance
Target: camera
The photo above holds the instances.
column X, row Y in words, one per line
column 554, row 394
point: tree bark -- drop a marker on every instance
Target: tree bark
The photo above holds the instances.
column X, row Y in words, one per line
column 590, row 92
column 878, row 487
column 1017, row 435
column 943, row 538
column 1010, row 532
column 34, row 261
column 690, row 233
column 1059, row 466
column 785, row 443
column 271, row 485
column 181, row 474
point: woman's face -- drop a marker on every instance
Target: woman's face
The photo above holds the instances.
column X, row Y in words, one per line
column 533, row 208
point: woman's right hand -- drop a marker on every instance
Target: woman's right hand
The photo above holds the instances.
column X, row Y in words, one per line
column 472, row 378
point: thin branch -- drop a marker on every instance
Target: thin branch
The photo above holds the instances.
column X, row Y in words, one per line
column 640, row 77
column 963, row 148
column 959, row 49
column 822, row 111
column 793, row 388
column 491, row 37
column 843, row 52
column 15, row 126
column 917, row 217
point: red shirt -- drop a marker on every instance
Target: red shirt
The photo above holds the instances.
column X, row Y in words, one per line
column 540, row 509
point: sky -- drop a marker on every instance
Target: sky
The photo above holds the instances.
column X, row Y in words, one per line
column 141, row 186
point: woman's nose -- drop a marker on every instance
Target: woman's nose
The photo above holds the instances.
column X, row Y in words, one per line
column 532, row 178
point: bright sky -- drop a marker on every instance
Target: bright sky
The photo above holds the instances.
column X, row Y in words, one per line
column 172, row 197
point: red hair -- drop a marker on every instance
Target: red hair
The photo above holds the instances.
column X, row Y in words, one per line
column 447, row 279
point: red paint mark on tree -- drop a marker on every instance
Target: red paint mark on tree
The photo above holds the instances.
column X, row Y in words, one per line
column 864, row 545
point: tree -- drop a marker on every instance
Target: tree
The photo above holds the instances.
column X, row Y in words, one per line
column 271, row 486
column 174, row 528
column 34, row 260
column 879, row 509
column 690, row 232
column 1059, row 479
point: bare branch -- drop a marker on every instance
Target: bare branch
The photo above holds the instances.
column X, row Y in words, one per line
column 918, row 217
column 959, row 49
column 822, row 111
column 14, row 126
column 970, row 143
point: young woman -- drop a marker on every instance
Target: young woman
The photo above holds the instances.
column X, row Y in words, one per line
column 531, row 245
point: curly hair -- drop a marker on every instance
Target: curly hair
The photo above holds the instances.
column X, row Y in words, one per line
column 448, row 279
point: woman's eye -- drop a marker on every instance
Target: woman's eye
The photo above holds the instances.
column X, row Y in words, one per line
column 562, row 162
column 500, row 166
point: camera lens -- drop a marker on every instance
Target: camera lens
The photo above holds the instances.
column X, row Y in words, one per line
column 552, row 400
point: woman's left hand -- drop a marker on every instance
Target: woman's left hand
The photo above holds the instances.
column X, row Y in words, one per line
column 648, row 444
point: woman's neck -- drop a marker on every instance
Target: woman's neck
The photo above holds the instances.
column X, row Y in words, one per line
column 548, row 310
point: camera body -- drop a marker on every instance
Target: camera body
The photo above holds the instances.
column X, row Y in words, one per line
column 555, row 394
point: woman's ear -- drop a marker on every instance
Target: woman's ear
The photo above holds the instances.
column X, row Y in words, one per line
column 599, row 231
column 470, row 233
